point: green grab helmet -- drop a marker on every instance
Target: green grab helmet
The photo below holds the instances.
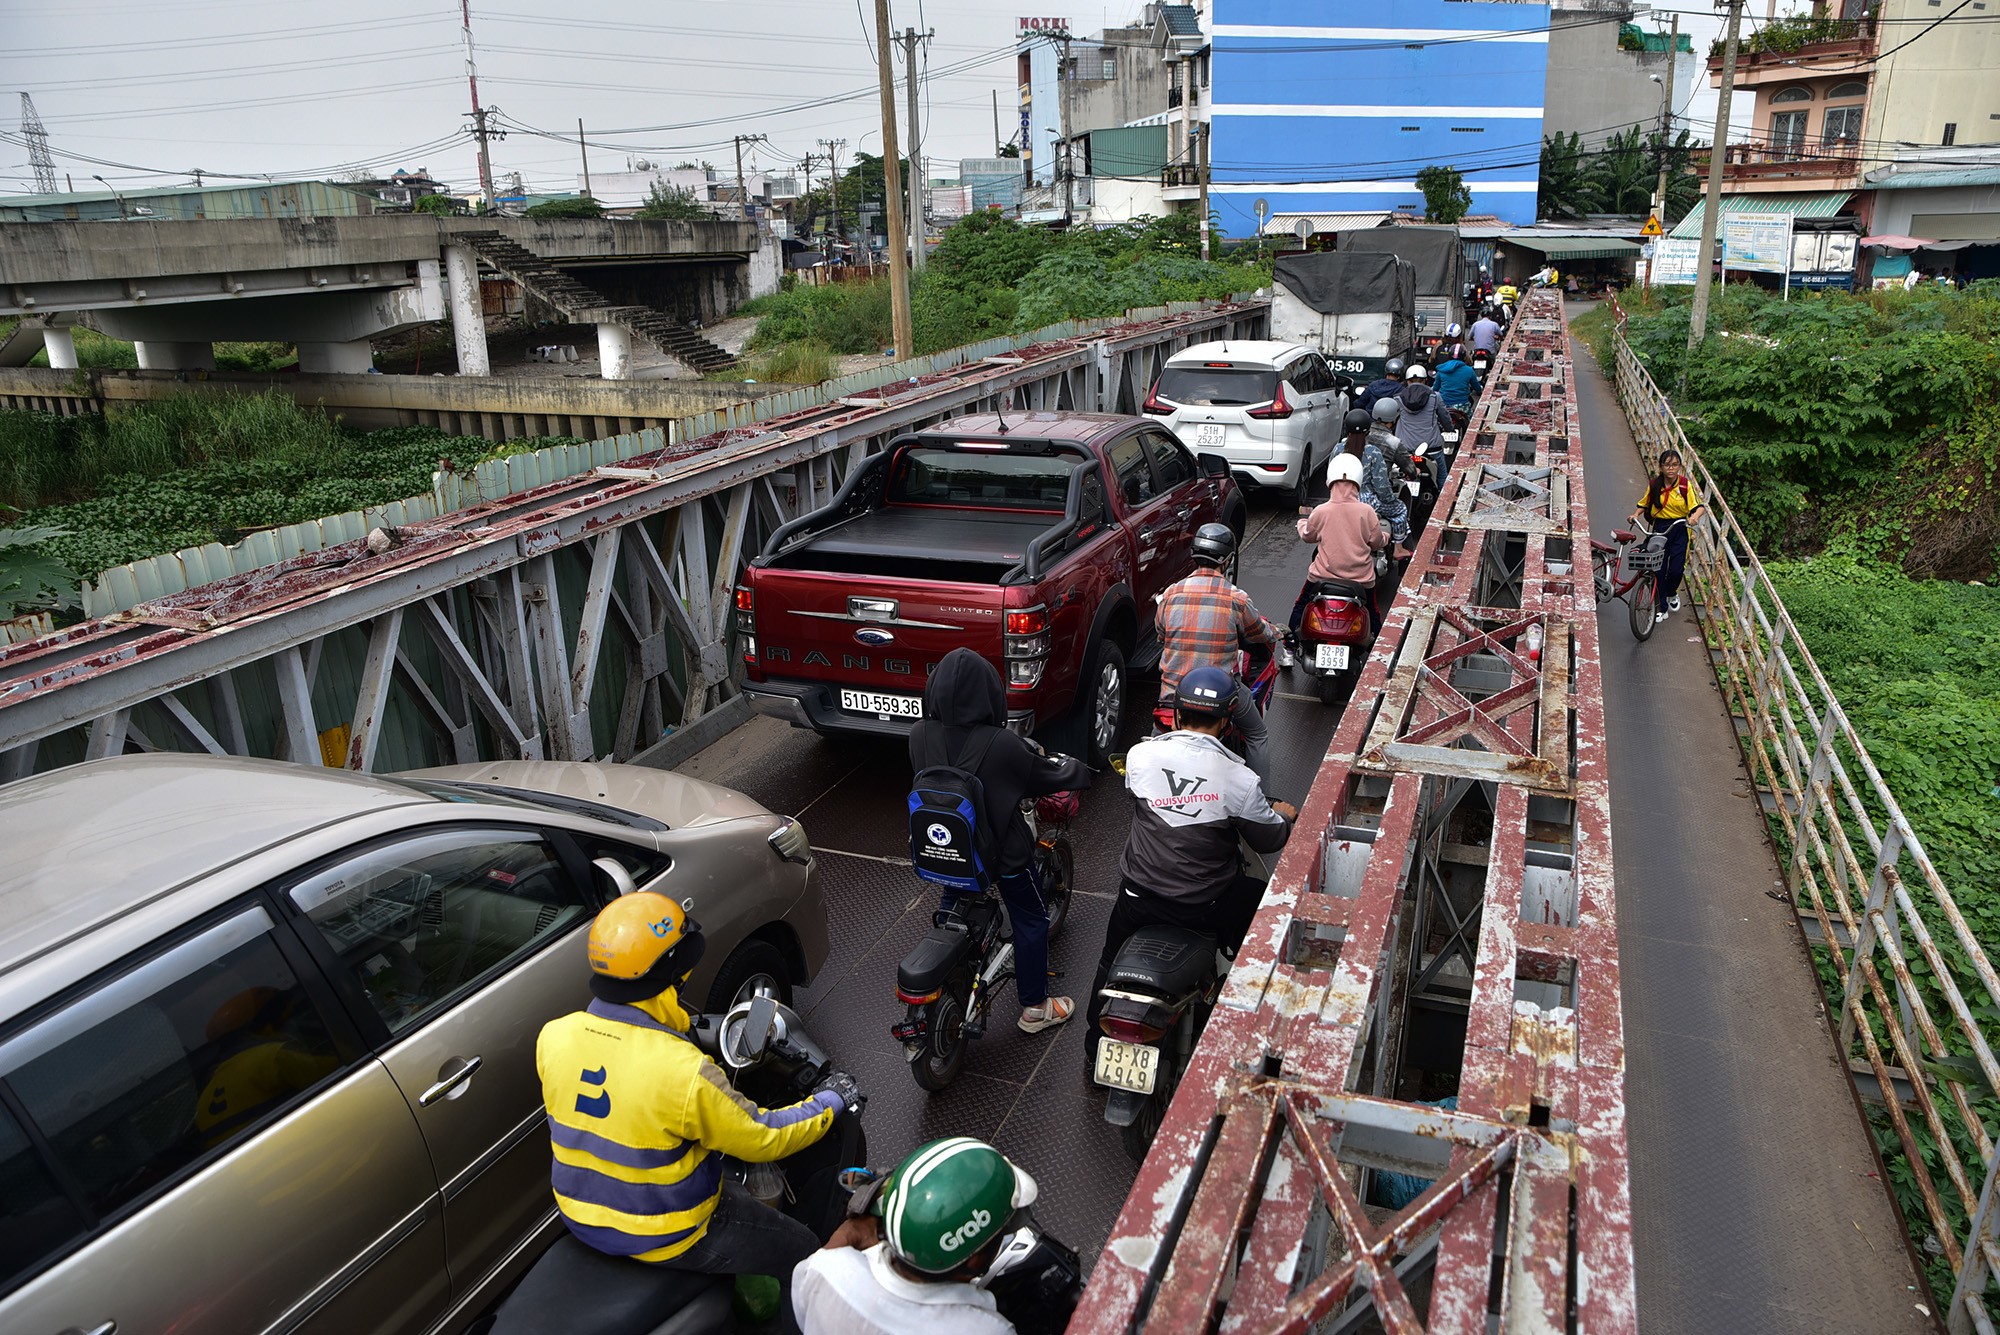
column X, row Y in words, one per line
column 949, row 1199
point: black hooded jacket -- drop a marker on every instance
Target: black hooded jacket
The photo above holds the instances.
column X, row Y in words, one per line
column 964, row 698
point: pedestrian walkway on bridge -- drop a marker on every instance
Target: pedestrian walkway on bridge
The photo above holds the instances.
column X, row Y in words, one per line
column 1756, row 1200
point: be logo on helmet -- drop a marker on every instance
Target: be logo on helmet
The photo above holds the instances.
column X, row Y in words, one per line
column 665, row 927
column 971, row 1228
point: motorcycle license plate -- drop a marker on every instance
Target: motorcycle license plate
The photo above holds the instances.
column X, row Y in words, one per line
column 1130, row 1066
column 888, row 706
column 1330, row 657
column 1208, row 434
column 1451, row 438
column 1413, row 487
column 909, row 1032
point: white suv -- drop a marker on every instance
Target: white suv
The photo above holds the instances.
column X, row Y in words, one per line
column 1272, row 409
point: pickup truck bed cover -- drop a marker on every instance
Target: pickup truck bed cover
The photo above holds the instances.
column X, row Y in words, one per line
column 914, row 533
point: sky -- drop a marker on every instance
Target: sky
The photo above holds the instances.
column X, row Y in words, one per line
column 145, row 92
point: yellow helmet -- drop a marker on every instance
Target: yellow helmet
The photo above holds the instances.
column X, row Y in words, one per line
column 640, row 945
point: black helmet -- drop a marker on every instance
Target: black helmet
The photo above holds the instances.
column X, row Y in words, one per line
column 1357, row 419
column 1393, row 368
column 1206, row 692
column 1214, row 544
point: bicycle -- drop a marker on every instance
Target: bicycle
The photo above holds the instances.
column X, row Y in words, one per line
column 1641, row 554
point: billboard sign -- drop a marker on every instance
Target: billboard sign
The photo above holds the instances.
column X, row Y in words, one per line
column 1757, row 242
column 1025, row 28
column 1674, row 260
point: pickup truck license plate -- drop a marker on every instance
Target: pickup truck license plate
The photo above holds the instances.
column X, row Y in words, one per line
column 1331, row 657
column 888, row 706
column 1208, row 435
column 1127, row 1065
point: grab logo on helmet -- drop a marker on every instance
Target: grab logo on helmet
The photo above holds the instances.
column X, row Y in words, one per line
column 971, row 1228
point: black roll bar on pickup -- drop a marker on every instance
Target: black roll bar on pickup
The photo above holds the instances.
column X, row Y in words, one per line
column 1073, row 518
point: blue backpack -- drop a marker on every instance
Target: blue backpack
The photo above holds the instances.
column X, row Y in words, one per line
column 950, row 843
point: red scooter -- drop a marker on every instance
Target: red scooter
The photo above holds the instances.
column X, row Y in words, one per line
column 1335, row 635
column 1262, row 674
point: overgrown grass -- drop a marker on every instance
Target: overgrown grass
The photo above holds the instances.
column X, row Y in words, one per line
column 805, row 363
column 196, row 469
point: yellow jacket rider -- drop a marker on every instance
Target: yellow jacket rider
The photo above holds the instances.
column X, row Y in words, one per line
column 640, row 1118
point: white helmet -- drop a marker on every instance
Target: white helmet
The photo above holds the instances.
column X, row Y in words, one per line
column 1417, row 371
column 1343, row 467
column 1452, row 330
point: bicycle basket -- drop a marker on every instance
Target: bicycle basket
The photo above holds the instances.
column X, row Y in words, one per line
column 1648, row 554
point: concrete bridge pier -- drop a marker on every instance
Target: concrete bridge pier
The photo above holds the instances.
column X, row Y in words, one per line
column 165, row 355
column 468, row 314
column 61, row 347
column 614, row 352
column 354, row 357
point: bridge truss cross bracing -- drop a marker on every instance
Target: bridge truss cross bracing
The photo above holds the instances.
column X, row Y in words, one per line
column 1442, row 924
column 585, row 619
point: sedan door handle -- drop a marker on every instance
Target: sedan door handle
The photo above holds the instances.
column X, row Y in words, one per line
column 449, row 1080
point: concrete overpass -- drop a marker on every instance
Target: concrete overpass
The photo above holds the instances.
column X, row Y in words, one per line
column 330, row 285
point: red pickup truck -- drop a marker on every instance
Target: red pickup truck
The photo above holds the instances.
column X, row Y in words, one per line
column 1037, row 539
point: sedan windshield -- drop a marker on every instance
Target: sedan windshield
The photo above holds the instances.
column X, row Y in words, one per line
column 1218, row 386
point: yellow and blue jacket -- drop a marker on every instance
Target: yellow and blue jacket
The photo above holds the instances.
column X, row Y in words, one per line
column 640, row 1118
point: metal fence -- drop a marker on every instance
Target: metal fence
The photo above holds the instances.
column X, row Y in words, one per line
column 1910, row 979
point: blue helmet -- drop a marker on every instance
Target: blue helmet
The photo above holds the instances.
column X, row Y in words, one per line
column 1206, row 692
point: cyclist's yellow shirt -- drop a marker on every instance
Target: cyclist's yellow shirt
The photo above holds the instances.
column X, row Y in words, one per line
column 1676, row 502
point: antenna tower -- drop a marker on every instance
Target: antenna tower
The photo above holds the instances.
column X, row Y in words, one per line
column 38, row 147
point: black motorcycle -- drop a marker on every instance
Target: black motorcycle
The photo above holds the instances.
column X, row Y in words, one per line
column 948, row 981
column 1156, row 1001
column 772, row 1061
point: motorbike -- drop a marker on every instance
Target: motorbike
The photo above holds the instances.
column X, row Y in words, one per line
column 770, row 1058
column 948, row 981
column 1157, row 999
column 1334, row 637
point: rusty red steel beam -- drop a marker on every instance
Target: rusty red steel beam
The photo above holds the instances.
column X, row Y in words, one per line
column 1215, row 1232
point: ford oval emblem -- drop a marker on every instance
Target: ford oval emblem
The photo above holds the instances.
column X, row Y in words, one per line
column 875, row 635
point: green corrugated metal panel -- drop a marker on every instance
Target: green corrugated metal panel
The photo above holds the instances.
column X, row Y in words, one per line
column 1139, row 150
column 1578, row 247
column 1941, row 178
column 1820, row 204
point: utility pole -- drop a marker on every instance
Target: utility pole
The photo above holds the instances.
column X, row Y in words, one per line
column 1666, row 109
column 743, row 195
column 892, row 184
column 585, row 152
column 910, row 39
column 998, row 142
column 1201, row 169
column 479, row 131
column 1711, row 217
column 833, row 147
column 1068, row 162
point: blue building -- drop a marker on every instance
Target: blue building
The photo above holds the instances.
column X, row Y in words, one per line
column 1334, row 106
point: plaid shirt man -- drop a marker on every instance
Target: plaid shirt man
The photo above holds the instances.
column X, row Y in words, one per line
column 1203, row 621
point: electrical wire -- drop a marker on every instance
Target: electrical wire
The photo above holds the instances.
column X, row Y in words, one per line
column 94, row 50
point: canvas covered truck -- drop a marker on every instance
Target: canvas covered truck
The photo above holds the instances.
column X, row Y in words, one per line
column 1357, row 309
column 1438, row 255
column 1036, row 539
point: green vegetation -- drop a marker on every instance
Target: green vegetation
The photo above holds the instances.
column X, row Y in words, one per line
column 1621, row 176
column 803, row 363
column 991, row 276
column 441, row 205
column 1857, row 438
column 672, row 201
column 198, row 469
column 1446, row 198
column 582, row 207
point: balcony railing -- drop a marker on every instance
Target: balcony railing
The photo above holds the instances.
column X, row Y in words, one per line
column 1802, row 36
column 1765, row 156
column 1182, row 175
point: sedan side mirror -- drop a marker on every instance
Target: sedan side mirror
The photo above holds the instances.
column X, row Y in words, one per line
column 614, row 872
column 1214, row 465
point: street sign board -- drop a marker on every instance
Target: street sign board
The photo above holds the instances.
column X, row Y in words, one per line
column 1674, row 259
column 1758, row 242
column 1652, row 227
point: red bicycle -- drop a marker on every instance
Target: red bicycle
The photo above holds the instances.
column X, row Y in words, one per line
column 1639, row 557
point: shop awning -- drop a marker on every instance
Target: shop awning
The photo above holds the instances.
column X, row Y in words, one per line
column 1822, row 204
column 1286, row 224
column 1577, row 247
column 1894, row 241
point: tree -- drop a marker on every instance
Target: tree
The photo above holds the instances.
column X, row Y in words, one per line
column 1009, row 151
column 1625, row 172
column 581, row 207
column 441, row 205
column 1446, row 198
column 671, row 201
column 1567, row 188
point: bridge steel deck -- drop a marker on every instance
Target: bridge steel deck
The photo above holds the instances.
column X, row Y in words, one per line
column 588, row 618
column 1453, row 859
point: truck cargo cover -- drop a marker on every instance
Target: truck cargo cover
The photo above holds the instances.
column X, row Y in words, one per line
column 1435, row 251
column 1337, row 284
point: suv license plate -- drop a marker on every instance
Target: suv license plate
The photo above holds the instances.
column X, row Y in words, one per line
column 1208, row 435
column 1127, row 1065
column 888, row 706
column 1332, row 657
